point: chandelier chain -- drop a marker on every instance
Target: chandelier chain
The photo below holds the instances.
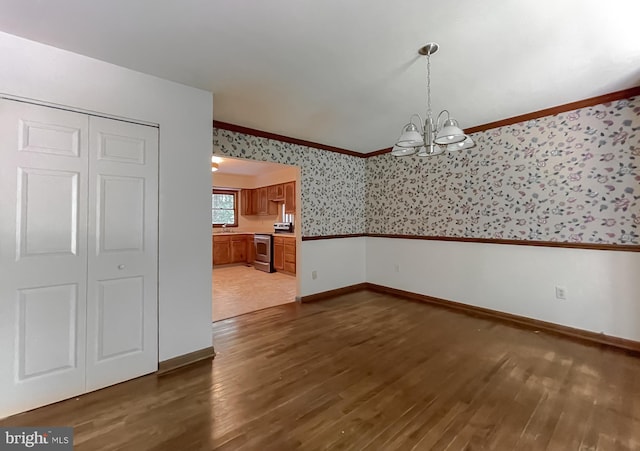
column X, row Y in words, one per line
column 428, row 84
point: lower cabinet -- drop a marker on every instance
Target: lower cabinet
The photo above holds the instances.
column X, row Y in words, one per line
column 278, row 253
column 229, row 249
column 251, row 250
column 239, row 248
column 221, row 250
column 284, row 253
column 290, row 255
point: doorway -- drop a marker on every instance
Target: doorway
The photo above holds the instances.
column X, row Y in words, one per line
column 248, row 199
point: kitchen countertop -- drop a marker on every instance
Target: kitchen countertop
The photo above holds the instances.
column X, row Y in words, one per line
column 231, row 233
column 287, row 234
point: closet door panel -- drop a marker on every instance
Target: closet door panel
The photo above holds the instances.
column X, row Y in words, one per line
column 120, row 210
column 120, row 301
column 47, row 212
column 122, row 275
column 43, row 255
column 47, row 330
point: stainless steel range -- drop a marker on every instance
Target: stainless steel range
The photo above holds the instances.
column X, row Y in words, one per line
column 263, row 243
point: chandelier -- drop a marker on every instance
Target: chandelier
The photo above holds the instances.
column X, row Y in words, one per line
column 432, row 138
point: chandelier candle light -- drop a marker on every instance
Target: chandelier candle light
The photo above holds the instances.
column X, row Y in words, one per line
column 431, row 138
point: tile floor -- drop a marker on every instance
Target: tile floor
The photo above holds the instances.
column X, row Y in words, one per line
column 243, row 289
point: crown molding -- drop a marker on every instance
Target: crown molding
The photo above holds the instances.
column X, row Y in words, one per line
column 592, row 101
column 287, row 139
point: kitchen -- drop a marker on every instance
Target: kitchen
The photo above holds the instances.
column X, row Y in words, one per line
column 254, row 231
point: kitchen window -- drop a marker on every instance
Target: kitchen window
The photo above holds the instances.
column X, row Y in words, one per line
column 224, row 208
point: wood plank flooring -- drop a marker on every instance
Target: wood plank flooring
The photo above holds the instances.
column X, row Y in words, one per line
column 242, row 289
column 369, row 371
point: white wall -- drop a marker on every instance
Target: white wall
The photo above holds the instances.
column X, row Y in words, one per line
column 273, row 177
column 185, row 116
column 283, row 175
column 256, row 224
column 603, row 287
column 232, row 180
column 338, row 263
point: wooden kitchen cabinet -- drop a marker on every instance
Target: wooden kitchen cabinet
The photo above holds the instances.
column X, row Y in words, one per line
column 278, row 253
column 265, row 206
column 255, row 200
column 229, row 249
column 251, row 250
column 247, row 204
column 290, row 197
column 290, row 255
column 265, row 201
column 221, row 250
column 276, row 193
column 284, row 253
column 239, row 248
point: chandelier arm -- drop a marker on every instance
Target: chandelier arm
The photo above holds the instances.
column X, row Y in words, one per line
column 421, row 123
column 438, row 120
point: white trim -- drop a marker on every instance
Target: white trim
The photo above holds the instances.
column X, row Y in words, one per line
column 76, row 110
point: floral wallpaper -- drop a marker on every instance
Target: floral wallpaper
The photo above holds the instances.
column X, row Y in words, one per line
column 572, row 177
column 333, row 184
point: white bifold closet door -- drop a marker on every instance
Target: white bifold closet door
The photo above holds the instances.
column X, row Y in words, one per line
column 122, row 293
column 78, row 253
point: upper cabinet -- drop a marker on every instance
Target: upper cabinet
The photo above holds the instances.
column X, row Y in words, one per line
column 247, row 204
column 276, row 192
column 264, row 201
column 265, row 206
column 290, row 197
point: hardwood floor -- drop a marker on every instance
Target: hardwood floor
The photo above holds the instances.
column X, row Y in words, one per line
column 242, row 289
column 369, row 371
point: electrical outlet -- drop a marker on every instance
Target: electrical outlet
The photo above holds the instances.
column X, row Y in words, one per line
column 314, row 275
column 396, row 267
column 561, row 293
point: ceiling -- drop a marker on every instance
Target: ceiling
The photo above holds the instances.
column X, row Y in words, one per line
column 347, row 73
